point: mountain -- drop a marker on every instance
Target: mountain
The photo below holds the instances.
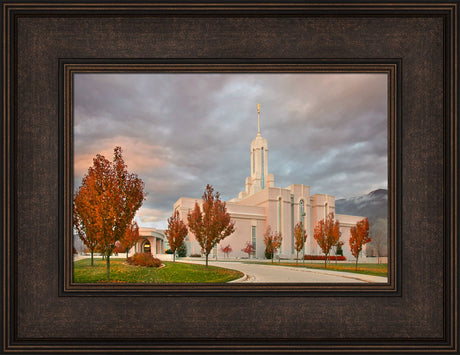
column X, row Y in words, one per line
column 374, row 205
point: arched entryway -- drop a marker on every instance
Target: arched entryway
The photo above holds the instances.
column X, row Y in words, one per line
column 146, row 247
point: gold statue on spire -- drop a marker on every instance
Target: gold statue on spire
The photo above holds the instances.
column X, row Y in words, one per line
column 258, row 108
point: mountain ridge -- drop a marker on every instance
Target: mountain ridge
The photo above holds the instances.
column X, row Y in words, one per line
column 373, row 205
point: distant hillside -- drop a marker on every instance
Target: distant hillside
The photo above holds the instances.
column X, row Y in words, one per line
column 374, row 205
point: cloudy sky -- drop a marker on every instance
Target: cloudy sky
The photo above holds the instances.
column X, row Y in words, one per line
column 182, row 131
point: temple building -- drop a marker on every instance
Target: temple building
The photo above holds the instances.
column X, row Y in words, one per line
column 261, row 204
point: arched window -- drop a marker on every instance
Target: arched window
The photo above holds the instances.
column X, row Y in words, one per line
column 325, row 210
column 254, row 240
column 302, row 214
column 147, row 247
column 301, row 210
column 280, row 219
column 303, row 218
column 279, row 214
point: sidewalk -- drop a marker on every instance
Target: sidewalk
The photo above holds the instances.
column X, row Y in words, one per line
column 77, row 257
column 256, row 272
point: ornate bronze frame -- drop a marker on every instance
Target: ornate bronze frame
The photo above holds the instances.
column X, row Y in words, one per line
column 415, row 43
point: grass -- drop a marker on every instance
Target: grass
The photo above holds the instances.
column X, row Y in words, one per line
column 368, row 269
column 172, row 272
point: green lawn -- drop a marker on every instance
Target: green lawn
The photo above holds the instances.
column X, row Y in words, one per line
column 120, row 272
column 368, row 269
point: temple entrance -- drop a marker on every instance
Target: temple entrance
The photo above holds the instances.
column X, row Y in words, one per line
column 146, row 247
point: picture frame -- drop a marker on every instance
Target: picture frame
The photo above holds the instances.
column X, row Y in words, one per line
column 68, row 70
column 416, row 311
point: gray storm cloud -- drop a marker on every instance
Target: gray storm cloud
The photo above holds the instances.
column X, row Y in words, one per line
column 180, row 132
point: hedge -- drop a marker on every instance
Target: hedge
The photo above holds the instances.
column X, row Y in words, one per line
column 322, row 257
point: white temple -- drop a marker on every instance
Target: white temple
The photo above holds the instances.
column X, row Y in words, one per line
column 262, row 204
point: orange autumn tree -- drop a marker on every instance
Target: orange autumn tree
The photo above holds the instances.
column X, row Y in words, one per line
column 212, row 223
column 359, row 237
column 106, row 202
column 272, row 241
column 299, row 237
column 130, row 238
column 226, row 249
column 176, row 232
column 249, row 249
column 88, row 204
column 85, row 221
column 327, row 234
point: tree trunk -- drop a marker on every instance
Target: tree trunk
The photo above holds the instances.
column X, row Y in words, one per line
column 108, row 267
column 325, row 262
column 174, row 256
column 356, row 265
column 207, row 260
column 92, row 260
column 127, row 253
column 273, row 255
column 297, row 258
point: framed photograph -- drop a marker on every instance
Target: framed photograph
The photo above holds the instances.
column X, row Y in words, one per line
column 184, row 151
column 293, row 114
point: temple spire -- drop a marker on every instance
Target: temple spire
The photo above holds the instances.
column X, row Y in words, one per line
column 258, row 119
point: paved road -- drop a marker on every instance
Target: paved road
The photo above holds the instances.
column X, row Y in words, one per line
column 268, row 273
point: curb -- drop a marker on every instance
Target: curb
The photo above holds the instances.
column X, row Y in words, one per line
column 245, row 277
